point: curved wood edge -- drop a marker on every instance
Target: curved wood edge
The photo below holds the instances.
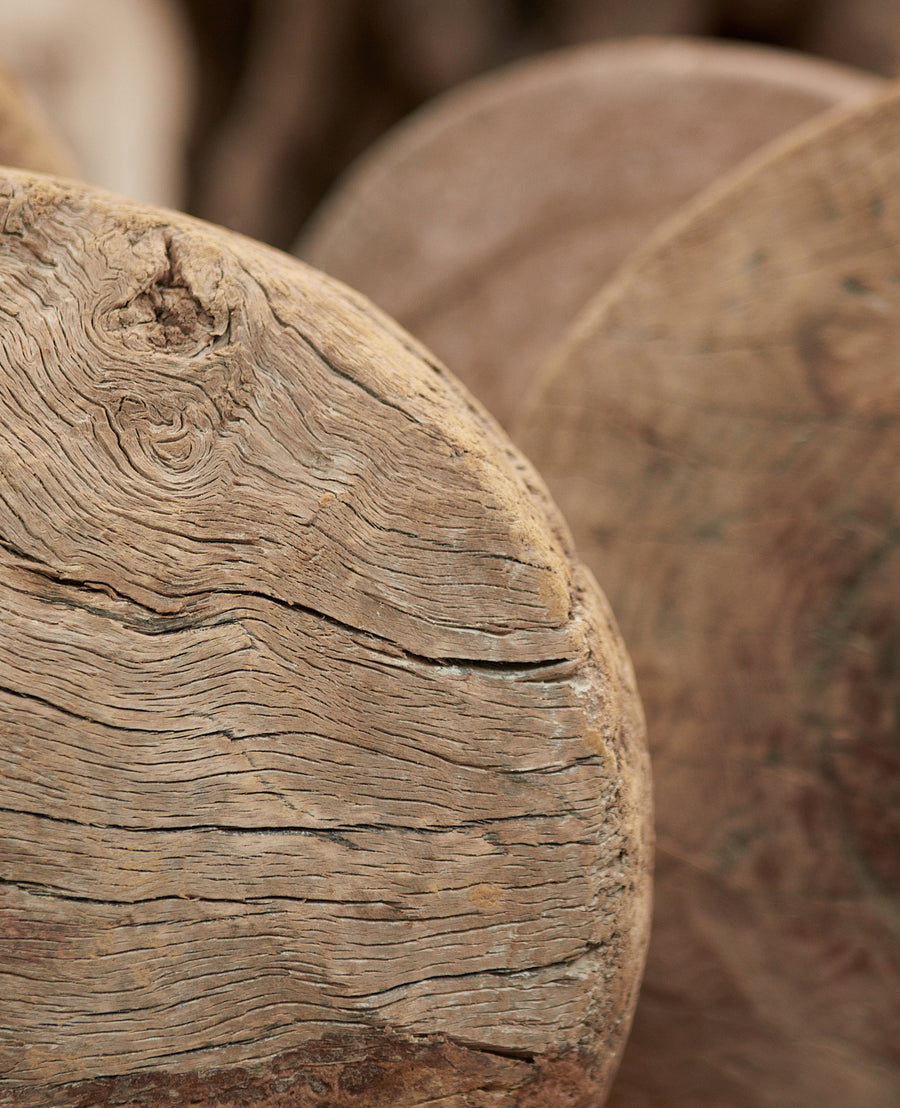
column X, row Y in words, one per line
column 837, row 344
column 485, row 221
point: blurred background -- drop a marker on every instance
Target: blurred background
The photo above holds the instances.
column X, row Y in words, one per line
column 245, row 111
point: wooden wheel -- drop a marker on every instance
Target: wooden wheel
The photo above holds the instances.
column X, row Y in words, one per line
column 488, row 220
column 722, row 428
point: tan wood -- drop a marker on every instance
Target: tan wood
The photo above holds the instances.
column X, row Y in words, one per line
column 310, row 725
column 489, row 219
column 27, row 140
column 721, row 428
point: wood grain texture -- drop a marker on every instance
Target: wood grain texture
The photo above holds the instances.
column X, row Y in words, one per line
column 489, row 219
column 722, row 429
column 312, row 732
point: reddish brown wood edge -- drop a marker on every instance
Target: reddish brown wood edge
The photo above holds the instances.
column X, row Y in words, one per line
column 351, row 1070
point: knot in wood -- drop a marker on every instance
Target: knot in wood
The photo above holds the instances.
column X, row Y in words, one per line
column 165, row 433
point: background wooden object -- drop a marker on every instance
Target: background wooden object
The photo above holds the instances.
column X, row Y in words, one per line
column 27, row 140
column 313, row 736
column 290, row 93
column 722, row 430
column 486, row 222
column 115, row 78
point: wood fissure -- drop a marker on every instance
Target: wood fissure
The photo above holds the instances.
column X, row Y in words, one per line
column 309, row 720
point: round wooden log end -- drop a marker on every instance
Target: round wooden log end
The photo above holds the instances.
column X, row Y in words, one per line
column 322, row 771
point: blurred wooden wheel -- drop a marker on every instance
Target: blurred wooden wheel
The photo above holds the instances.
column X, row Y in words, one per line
column 722, row 430
column 489, row 219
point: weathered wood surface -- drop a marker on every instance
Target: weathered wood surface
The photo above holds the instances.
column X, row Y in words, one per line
column 486, row 222
column 723, row 430
column 27, row 140
column 310, row 725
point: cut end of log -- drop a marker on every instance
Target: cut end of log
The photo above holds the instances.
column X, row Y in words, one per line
column 722, row 426
column 489, row 219
column 312, row 730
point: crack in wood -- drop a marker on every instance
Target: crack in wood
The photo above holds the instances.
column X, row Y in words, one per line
column 545, row 669
column 308, row 717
